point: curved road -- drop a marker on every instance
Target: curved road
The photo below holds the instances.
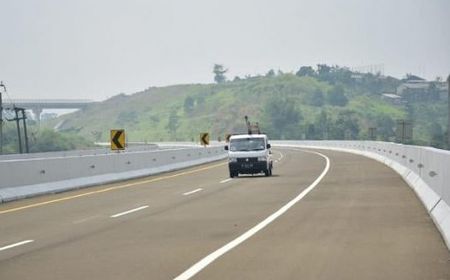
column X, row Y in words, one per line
column 358, row 221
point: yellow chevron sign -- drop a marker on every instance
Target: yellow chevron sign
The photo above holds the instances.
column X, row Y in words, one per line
column 204, row 138
column 117, row 137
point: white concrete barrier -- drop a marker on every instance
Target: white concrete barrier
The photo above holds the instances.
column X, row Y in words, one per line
column 21, row 178
column 426, row 170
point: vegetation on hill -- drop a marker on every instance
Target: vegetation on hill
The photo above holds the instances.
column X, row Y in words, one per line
column 41, row 139
column 328, row 102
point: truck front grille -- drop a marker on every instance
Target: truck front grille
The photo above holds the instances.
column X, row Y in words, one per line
column 244, row 160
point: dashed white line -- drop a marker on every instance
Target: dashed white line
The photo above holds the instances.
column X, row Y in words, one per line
column 85, row 219
column 194, row 191
column 16, row 245
column 219, row 252
column 226, row 180
column 129, row 211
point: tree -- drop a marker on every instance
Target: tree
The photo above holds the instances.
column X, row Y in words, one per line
column 47, row 140
column 317, row 99
column 219, row 73
column 336, row 96
column 307, row 71
column 385, row 127
column 322, row 125
column 311, row 132
column 283, row 118
column 346, row 126
column 437, row 135
column 127, row 117
column 189, row 104
column 323, row 70
column 173, row 124
column 270, row 74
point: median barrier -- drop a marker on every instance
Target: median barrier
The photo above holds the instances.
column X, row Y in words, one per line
column 22, row 178
column 426, row 170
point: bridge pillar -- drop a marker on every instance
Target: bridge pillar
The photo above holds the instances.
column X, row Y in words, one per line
column 37, row 113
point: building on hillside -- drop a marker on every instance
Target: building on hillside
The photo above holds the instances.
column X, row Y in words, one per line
column 392, row 98
column 417, row 89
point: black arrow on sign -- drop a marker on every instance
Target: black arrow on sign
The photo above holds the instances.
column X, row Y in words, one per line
column 204, row 139
column 115, row 139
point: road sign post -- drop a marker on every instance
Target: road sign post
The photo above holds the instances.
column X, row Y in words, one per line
column 404, row 131
column 372, row 133
column 117, row 138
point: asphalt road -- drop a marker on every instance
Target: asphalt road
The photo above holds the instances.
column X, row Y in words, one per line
column 353, row 218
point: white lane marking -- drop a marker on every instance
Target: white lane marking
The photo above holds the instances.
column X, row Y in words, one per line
column 16, row 244
column 194, row 191
column 85, row 219
column 219, row 252
column 226, row 180
column 281, row 157
column 129, row 211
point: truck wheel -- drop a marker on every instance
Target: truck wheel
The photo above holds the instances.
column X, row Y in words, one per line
column 267, row 172
column 233, row 174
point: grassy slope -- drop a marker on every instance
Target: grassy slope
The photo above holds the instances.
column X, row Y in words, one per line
column 218, row 109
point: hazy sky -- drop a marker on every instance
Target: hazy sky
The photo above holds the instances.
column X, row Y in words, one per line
column 96, row 49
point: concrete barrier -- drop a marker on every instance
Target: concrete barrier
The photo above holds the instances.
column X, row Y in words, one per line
column 21, row 178
column 426, row 170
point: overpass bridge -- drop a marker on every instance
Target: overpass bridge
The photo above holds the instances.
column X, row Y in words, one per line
column 332, row 210
column 38, row 105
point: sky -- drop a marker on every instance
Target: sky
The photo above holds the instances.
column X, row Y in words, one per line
column 95, row 49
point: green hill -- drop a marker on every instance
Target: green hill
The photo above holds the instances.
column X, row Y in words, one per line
column 320, row 105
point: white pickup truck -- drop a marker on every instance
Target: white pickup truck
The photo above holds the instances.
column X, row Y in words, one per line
column 249, row 154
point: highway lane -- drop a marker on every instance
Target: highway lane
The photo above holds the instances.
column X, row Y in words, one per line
column 75, row 221
column 354, row 225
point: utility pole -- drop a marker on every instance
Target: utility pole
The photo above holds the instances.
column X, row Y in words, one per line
column 18, row 118
column 372, row 133
column 16, row 110
column 24, row 118
column 404, row 131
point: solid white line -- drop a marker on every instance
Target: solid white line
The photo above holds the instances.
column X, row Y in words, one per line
column 226, row 180
column 129, row 211
column 216, row 254
column 16, row 244
column 194, row 191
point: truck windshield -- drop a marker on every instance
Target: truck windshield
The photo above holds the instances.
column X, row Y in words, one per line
column 248, row 144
